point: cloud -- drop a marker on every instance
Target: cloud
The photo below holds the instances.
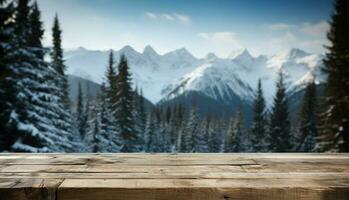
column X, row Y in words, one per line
column 287, row 39
column 312, row 29
column 280, row 27
column 151, row 15
column 221, row 38
column 318, row 29
column 167, row 17
column 309, row 36
column 184, row 19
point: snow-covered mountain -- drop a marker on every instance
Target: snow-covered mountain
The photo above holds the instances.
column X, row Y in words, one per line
column 164, row 77
column 239, row 73
column 150, row 71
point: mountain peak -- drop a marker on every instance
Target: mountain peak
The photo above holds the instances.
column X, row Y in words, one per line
column 80, row 48
column 182, row 51
column 211, row 56
column 241, row 53
column 148, row 50
column 295, row 52
column 126, row 49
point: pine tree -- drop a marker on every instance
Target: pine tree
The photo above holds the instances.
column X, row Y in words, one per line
column 125, row 109
column 230, row 142
column 22, row 128
column 258, row 130
column 7, row 89
column 191, row 131
column 95, row 137
column 58, row 62
column 111, row 82
column 37, row 31
column 60, row 80
column 163, row 134
column 242, row 137
column 334, row 124
column 202, row 138
column 108, row 127
column 236, row 139
column 81, row 122
column 139, row 117
column 307, row 120
column 150, row 135
column 101, row 134
column 34, row 106
column 109, row 93
column 279, row 119
column 178, row 127
column 217, row 135
column 142, row 111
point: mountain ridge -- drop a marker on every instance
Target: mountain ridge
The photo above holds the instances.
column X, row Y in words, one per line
column 163, row 76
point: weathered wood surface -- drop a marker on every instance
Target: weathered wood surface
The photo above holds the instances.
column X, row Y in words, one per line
column 174, row 176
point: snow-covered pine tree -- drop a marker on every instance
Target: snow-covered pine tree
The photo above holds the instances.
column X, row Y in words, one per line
column 279, row 120
column 230, row 139
column 139, row 117
column 191, row 131
column 156, row 138
column 108, row 127
column 168, row 114
column 111, row 82
column 33, row 108
column 93, row 137
column 81, row 120
column 110, row 98
column 101, row 135
column 177, row 126
column 334, row 124
column 64, row 123
column 7, row 89
column 202, row 139
column 164, row 131
column 155, row 134
column 125, row 109
column 57, row 62
column 24, row 55
column 307, row 120
column 150, row 134
column 173, row 123
column 217, row 135
column 96, row 142
column 170, row 128
column 236, row 139
column 142, row 111
column 242, row 136
column 258, row 129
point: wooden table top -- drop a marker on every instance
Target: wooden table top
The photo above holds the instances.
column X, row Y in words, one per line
column 174, row 176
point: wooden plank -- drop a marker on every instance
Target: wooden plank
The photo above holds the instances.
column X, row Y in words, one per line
column 298, row 165
column 113, row 168
column 142, row 159
column 174, row 176
column 202, row 189
column 277, row 167
column 204, row 194
column 30, row 189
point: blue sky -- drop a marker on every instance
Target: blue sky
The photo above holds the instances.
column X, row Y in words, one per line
column 219, row 26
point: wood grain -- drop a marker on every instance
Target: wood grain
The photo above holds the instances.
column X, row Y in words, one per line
column 139, row 176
